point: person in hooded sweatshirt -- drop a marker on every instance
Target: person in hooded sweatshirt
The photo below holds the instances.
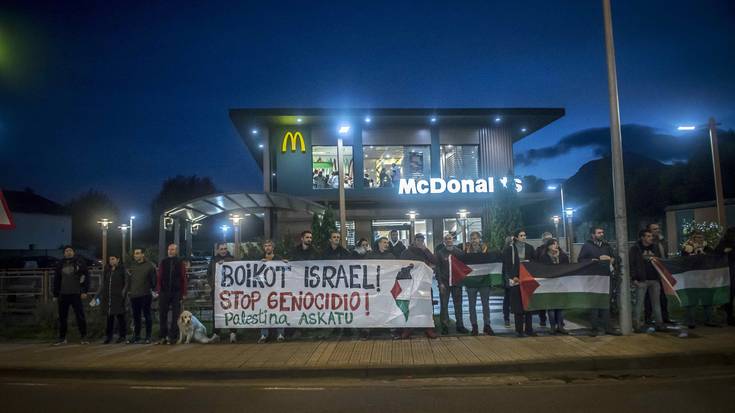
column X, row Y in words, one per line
column 111, row 295
column 71, row 284
column 141, row 284
column 513, row 255
column 361, row 249
column 553, row 255
column 222, row 254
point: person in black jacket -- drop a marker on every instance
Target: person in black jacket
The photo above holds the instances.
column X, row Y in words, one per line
column 727, row 247
column 112, row 294
column 419, row 252
column 222, row 255
column 304, row 251
column 661, row 251
column 442, row 253
column 513, row 255
column 141, row 284
column 171, row 288
column 598, row 249
column 71, row 284
column 334, row 250
column 553, row 255
column 381, row 252
column 645, row 278
column 396, row 245
column 269, row 254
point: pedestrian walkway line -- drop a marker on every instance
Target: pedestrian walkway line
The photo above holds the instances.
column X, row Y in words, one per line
column 295, row 388
column 157, row 388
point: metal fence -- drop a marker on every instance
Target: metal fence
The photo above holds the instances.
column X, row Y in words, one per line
column 23, row 290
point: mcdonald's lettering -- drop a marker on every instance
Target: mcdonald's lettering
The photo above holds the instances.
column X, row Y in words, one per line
column 293, row 137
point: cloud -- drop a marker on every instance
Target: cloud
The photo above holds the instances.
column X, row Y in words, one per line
column 640, row 139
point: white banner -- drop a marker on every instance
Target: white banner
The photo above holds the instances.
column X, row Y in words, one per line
column 323, row 294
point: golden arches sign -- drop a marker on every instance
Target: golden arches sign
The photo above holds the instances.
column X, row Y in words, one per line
column 293, row 137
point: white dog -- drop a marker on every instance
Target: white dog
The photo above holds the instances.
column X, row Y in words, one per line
column 190, row 327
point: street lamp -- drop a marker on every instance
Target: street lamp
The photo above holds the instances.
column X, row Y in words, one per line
column 463, row 214
column 569, row 213
column 123, row 230
column 104, row 225
column 561, row 195
column 719, row 196
column 236, row 218
column 132, row 217
column 343, row 130
column 412, row 217
column 224, row 229
column 556, row 219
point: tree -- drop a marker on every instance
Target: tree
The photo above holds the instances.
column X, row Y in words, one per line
column 86, row 210
column 178, row 190
column 322, row 226
column 502, row 216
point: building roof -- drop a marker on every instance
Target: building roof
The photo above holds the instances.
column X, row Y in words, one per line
column 248, row 119
column 698, row 205
column 29, row 202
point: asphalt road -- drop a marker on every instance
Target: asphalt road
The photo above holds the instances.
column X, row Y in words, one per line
column 711, row 390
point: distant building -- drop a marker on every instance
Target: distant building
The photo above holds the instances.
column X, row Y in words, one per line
column 678, row 215
column 40, row 224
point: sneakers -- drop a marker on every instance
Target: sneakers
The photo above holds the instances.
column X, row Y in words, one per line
column 364, row 334
column 531, row 334
column 406, row 334
column 462, row 330
column 542, row 324
column 488, row 331
column 134, row 340
column 262, row 339
column 60, row 342
column 430, row 333
column 233, row 337
column 108, row 340
column 147, row 341
column 120, row 340
column 651, row 330
column 475, row 331
column 683, row 334
column 507, row 323
column 281, row 338
column 561, row 330
column 163, row 341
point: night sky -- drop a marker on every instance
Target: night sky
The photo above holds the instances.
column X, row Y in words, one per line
column 120, row 98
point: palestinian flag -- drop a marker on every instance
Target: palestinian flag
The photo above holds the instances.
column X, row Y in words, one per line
column 458, row 271
column 697, row 279
column 402, row 289
column 487, row 270
column 6, row 220
column 563, row 286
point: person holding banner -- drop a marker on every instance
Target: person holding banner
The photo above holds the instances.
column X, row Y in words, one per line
column 442, row 252
column 361, row 249
column 513, row 255
column 418, row 251
column 222, row 255
column 396, row 245
column 661, row 251
column 696, row 245
column 335, row 251
column 479, row 285
column 382, row 252
column 727, row 247
column 553, row 255
column 269, row 254
column 598, row 249
column 304, row 251
column 646, row 280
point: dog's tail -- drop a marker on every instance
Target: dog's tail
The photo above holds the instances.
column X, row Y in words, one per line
column 213, row 339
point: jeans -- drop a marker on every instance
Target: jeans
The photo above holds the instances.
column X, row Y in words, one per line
column 142, row 305
column 506, row 305
column 169, row 302
column 690, row 315
column 664, row 306
column 653, row 288
column 75, row 302
column 556, row 319
column 484, row 300
column 456, row 292
column 521, row 319
column 121, row 325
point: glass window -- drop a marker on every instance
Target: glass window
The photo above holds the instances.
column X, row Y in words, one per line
column 324, row 167
column 456, row 226
column 386, row 165
column 383, row 227
column 350, row 232
column 460, row 161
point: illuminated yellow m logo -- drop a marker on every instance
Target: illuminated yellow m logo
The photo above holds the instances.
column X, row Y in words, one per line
column 293, row 137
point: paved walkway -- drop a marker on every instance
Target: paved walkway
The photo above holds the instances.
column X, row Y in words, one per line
column 417, row 356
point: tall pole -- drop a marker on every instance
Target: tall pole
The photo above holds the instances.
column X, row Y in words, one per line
column 123, row 231
column 342, row 212
column 616, row 144
column 104, row 224
column 236, row 219
column 570, row 238
column 563, row 224
column 131, row 232
column 719, row 196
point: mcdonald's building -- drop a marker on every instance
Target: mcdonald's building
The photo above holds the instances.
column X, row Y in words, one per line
column 398, row 164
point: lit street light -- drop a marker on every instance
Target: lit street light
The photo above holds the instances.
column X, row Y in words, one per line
column 124, row 230
column 132, row 217
column 463, row 214
column 561, row 195
column 714, row 147
column 569, row 213
column 236, row 219
column 224, row 229
column 104, row 225
column 556, row 219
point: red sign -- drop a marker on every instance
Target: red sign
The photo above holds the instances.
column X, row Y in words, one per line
column 6, row 220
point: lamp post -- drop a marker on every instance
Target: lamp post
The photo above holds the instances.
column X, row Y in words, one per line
column 463, row 214
column 569, row 213
column 124, row 231
column 618, row 177
column 343, row 130
column 719, row 196
column 412, row 231
column 132, row 217
column 561, row 195
column 104, row 225
column 224, row 229
column 556, row 219
column 236, row 219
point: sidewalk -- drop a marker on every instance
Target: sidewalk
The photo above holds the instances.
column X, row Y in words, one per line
column 376, row 358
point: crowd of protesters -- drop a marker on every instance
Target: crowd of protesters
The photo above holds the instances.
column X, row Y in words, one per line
column 141, row 282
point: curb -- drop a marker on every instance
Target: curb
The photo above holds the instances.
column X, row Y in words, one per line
column 662, row 361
